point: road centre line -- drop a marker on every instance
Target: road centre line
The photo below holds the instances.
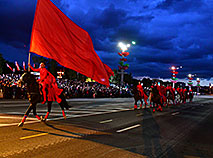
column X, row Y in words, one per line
column 128, row 128
column 106, row 121
column 33, row 136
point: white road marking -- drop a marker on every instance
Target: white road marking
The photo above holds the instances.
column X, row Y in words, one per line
column 69, row 114
column 15, row 124
column 175, row 113
column 15, row 117
column 128, row 128
column 106, row 121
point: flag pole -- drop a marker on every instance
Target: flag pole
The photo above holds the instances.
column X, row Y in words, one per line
column 29, row 62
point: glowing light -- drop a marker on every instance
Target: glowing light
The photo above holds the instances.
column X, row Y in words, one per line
column 133, row 42
column 123, row 46
column 198, row 79
column 190, row 75
column 173, row 68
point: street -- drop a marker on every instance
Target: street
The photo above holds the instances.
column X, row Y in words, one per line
column 108, row 127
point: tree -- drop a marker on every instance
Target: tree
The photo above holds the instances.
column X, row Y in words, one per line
column 2, row 64
column 38, row 59
column 53, row 67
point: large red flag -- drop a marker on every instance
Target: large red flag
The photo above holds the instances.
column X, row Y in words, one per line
column 109, row 70
column 55, row 36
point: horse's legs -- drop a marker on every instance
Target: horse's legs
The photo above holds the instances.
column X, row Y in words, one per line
column 63, row 102
column 141, row 103
column 145, row 100
column 49, row 107
column 34, row 112
column 32, row 106
column 62, row 108
column 135, row 105
column 164, row 100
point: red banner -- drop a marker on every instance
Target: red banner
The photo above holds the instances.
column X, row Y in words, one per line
column 55, row 36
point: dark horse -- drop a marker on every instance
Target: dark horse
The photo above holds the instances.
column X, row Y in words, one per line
column 138, row 96
column 156, row 99
column 35, row 96
column 190, row 96
column 170, row 97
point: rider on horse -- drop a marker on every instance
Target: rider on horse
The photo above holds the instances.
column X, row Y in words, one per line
column 142, row 94
column 171, row 91
column 48, row 82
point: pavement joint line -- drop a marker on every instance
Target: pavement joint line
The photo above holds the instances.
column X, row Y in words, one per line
column 106, row 121
column 175, row 113
column 128, row 128
column 188, row 156
column 139, row 115
column 33, row 136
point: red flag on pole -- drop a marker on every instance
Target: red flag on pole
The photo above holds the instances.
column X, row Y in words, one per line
column 24, row 66
column 109, row 70
column 9, row 66
column 17, row 66
column 55, row 36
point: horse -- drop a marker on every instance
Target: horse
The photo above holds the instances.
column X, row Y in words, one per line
column 190, row 96
column 156, row 99
column 35, row 96
column 170, row 97
column 138, row 96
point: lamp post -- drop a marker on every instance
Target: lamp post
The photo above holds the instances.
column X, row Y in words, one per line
column 190, row 83
column 198, row 84
column 174, row 74
column 123, row 54
column 60, row 73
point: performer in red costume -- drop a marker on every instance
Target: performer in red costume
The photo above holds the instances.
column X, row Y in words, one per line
column 48, row 81
column 172, row 91
column 163, row 93
column 140, row 89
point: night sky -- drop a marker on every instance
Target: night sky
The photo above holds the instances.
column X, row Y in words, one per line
column 167, row 32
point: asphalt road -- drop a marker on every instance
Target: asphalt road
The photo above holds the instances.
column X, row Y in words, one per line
column 108, row 128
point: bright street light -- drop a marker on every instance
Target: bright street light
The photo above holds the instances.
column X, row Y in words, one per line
column 123, row 46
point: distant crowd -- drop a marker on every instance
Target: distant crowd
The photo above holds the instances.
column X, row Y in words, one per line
column 9, row 89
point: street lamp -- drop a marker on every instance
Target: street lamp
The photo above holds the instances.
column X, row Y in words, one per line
column 190, row 77
column 123, row 54
column 198, row 84
column 60, row 73
column 174, row 73
column 133, row 42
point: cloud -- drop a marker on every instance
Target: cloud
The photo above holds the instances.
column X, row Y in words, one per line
column 167, row 32
column 181, row 5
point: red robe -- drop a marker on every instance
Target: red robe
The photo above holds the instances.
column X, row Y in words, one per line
column 172, row 91
column 140, row 88
column 47, row 80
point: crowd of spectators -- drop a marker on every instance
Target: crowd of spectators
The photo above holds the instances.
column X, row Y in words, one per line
column 9, row 88
column 79, row 89
column 72, row 89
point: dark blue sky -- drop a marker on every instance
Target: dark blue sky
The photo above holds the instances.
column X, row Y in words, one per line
column 167, row 32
